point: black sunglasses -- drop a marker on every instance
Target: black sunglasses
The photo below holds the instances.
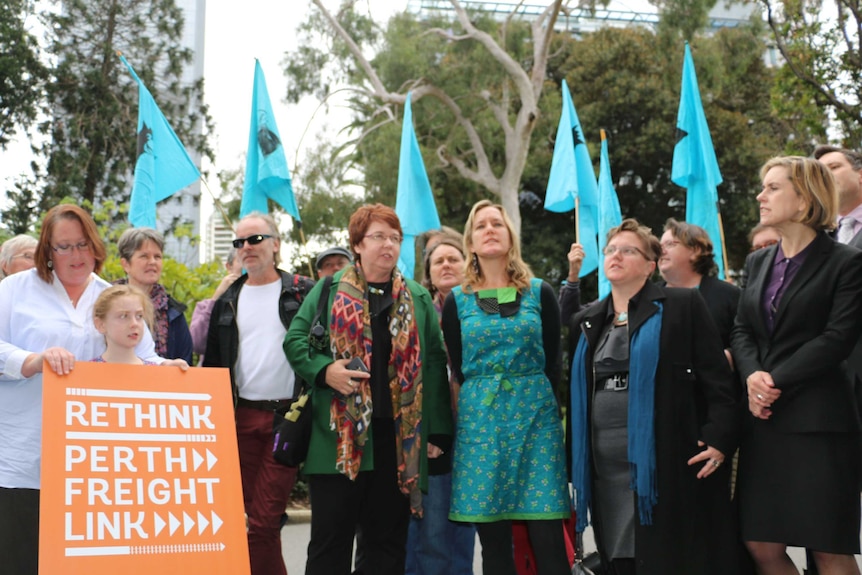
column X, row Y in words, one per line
column 252, row 240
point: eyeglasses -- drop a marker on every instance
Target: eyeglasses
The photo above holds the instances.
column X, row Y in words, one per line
column 67, row 249
column 624, row 250
column 252, row 240
column 380, row 238
column 669, row 244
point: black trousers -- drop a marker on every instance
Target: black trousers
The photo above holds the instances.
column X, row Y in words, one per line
column 373, row 504
column 546, row 538
column 19, row 531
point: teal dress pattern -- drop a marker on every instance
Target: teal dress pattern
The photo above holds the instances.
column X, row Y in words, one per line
column 509, row 449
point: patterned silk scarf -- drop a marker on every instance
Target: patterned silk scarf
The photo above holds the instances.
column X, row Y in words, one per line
column 350, row 336
column 159, row 329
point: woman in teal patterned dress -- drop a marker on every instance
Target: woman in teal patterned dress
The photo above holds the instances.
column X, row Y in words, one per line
column 502, row 330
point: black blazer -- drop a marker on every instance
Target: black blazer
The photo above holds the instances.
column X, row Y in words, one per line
column 721, row 299
column 696, row 399
column 818, row 321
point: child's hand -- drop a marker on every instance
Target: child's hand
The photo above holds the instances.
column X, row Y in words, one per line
column 180, row 363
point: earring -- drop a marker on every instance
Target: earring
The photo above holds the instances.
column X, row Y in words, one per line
column 475, row 263
column 50, row 264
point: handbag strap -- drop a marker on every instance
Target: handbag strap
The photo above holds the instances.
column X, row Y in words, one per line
column 320, row 312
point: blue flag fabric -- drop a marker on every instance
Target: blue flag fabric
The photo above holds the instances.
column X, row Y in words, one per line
column 609, row 215
column 266, row 172
column 695, row 166
column 163, row 167
column 414, row 203
column 572, row 176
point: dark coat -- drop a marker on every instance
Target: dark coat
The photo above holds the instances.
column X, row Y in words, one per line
column 179, row 337
column 223, row 334
column 696, row 399
column 817, row 323
column 721, row 299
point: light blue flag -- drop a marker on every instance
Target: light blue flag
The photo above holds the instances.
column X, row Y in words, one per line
column 414, row 203
column 694, row 164
column 609, row 213
column 266, row 172
column 572, row 176
column 163, row 167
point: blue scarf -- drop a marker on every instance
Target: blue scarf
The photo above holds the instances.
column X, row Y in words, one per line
column 643, row 362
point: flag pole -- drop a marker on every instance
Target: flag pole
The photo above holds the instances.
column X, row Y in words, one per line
column 723, row 241
column 577, row 227
column 305, row 245
column 218, row 205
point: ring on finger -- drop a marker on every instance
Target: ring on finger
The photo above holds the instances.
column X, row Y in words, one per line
column 716, row 462
column 760, row 396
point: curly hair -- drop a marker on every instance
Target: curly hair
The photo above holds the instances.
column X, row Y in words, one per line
column 695, row 238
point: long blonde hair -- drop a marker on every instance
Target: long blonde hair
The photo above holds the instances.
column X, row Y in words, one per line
column 519, row 272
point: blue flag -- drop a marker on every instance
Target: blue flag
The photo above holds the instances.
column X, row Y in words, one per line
column 694, row 164
column 414, row 203
column 609, row 213
column 163, row 167
column 266, row 172
column 572, row 176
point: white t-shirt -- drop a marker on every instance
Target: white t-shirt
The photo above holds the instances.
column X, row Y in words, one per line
column 34, row 316
column 262, row 370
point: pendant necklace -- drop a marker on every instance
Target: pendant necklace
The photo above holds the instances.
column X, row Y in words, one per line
column 376, row 291
column 622, row 317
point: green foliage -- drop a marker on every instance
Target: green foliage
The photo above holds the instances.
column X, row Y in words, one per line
column 91, row 148
column 21, row 71
column 820, row 42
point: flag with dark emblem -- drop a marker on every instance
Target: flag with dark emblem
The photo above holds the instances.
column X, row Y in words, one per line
column 414, row 202
column 266, row 173
column 695, row 166
column 571, row 177
column 162, row 167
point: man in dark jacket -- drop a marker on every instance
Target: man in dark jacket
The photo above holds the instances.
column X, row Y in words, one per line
column 247, row 328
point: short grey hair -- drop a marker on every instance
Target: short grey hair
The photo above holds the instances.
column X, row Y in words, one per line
column 273, row 230
column 12, row 246
column 134, row 238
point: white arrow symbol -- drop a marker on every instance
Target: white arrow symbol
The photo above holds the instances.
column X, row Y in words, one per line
column 188, row 523
column 197, row 458
column 211, row 460
column 160, row 523
column 174, row 522
column 202, row 523
column 222, row 547
column 217, row 522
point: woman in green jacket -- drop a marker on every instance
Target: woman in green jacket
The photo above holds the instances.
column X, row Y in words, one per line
column 374, row 428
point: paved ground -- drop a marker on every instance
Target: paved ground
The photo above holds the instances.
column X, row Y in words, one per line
column 294, row 540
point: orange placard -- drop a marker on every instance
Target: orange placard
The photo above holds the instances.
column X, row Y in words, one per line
column 140, row 473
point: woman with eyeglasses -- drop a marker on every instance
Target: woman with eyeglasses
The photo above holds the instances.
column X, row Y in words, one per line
column 653, row 415
column 374, row 351
column 16, row 255
column 46, row 315
column 141, row 257
column 502, row 331
column 798, row 321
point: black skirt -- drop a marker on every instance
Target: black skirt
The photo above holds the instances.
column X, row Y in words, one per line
column 800, row 489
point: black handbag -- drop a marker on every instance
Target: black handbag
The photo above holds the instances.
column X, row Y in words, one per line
column 292, row 432
column 292, row 428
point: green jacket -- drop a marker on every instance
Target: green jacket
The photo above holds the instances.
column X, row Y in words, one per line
column 308, row 362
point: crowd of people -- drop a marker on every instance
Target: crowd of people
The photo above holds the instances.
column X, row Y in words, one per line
column 707, row 428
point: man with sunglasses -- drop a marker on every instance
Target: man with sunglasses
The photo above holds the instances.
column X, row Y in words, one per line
column 246, row 331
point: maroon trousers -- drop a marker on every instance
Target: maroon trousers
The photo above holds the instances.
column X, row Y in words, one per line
column 266, row 487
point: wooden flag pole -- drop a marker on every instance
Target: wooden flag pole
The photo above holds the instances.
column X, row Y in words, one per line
column 723, row 244
column 218, row 205
column 305, row 245
column 577, row 227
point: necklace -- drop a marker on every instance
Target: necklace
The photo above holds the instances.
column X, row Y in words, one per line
column 621, row 317
column 376, row 291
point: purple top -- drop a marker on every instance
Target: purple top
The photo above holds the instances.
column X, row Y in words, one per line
column 784, row 269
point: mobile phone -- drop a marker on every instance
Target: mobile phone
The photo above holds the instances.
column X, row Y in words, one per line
column 356, row 364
